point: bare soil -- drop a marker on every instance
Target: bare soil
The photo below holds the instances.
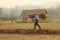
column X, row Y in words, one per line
column 10, row 32
column 29, row 34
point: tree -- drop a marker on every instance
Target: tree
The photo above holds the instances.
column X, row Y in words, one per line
column 5, row 17
column 1, row 12
column 13, row 14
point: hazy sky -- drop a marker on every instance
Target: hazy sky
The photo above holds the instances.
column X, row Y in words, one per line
column 12, row 3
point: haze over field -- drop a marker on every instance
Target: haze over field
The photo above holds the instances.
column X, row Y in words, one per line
column 22, row 3
column 14, row 8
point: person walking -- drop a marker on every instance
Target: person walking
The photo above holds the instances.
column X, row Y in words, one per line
column 36, row 20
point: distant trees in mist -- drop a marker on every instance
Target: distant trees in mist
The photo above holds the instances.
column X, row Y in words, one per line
column 7, row 14
column 14, row 13
column 54, row 12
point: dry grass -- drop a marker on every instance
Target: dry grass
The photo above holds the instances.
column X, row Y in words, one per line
column 28, row 37
column 30, row 26
column 48, row 26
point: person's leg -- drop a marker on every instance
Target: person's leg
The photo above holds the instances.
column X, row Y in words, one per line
column 39, row 26
column 34, row 26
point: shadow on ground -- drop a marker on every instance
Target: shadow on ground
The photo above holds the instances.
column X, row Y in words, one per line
column 28, row 31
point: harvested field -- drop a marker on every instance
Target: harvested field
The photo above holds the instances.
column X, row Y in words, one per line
column 24, row 31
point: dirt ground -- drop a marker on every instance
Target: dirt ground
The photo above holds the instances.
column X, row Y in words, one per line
column 11, row 32
column 29, row 37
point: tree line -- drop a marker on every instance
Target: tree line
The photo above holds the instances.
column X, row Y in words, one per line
column 14, row 13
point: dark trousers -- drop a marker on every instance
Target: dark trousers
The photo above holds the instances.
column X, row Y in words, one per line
column 36, row 24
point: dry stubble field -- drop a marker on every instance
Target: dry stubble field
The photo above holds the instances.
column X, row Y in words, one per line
column 48, row 26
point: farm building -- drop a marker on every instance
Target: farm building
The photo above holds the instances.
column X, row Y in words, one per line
column 24, row 15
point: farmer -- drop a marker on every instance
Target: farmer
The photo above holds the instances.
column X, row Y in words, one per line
column 35, row 20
